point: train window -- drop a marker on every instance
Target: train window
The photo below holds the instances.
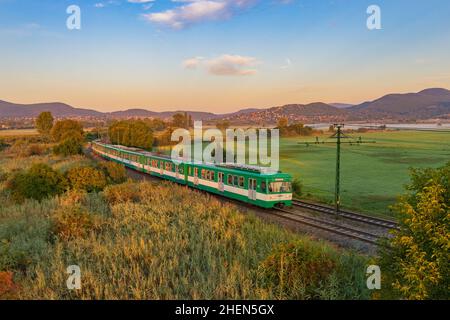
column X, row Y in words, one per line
column 280, row 187
column 181, row 169
column 203, row 174
column 263, row 186
column 230, row 179
column 235, row 180
column 212, row 175
column 241, row 182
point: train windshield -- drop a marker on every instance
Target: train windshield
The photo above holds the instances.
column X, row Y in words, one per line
column 280, row 187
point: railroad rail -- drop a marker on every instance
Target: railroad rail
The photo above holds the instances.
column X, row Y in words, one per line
column 379, row 222
column 321, row 224
column 329, row 226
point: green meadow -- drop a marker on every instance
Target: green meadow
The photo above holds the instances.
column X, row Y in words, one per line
column 372, row 175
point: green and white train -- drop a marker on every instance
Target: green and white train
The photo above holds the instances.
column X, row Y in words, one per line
column 250, row 184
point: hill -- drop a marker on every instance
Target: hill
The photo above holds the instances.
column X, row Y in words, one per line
column 14, row 110
column 294, row 112
column 425, row 104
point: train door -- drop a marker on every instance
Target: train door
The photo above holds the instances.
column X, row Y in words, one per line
column 252, row 189
column 196, row 176
column 221, row 186
column 177, row 173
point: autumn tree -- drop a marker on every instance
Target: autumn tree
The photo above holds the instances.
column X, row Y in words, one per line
column 131, row 133
column 38, row 183
column 182, row 120
column 44, row 122
column 223, row 125
column 69, row 146
column 67, row 129
column 282, row 122
column 417, row 263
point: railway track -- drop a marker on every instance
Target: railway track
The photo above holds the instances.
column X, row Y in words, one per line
column 297, row 217
column 329, row 226
column 383, row 223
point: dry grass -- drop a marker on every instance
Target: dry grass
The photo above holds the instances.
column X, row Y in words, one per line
column 147, row 241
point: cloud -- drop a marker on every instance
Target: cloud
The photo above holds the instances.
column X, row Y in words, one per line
column 105, row 4
column 224, row 65
column 192, row 63
column 195, row 11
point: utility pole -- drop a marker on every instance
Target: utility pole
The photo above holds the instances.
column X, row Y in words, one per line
column 337, row 196
column 338, row 135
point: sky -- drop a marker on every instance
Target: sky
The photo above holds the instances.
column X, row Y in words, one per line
column 219, row 55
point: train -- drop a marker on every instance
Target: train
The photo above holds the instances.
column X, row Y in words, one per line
column 255, row 185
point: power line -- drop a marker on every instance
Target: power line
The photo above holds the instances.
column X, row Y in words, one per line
column 339, row 136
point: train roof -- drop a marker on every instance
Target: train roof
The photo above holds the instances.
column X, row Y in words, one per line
column 232, row 167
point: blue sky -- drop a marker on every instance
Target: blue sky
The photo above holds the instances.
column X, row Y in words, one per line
column 220, row 55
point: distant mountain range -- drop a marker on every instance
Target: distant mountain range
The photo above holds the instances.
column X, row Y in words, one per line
column 426, row 104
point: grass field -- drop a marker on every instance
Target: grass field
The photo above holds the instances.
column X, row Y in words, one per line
column 372, row 175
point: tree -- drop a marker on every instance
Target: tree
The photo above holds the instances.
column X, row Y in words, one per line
column 69, row 146
column 44, row 122
column 67, row 129
column 38, row 183
column 115, row 172
column 131, row 133
column 417, row 265
column 181, row 120
column 282, row 122
column 223, row 125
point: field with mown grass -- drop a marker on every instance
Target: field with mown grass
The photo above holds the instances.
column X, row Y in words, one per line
column 141, row 240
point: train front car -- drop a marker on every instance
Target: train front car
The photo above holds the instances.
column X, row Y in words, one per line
column 278, row 190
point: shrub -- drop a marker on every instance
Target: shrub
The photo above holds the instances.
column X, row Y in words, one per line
column 3, row 176
column 71, row 222
column 115, row 172
column 36, row 150
column 297, row 187
column 69, row 146
column 309, row 270
column 297, row 270
column 86, row 178
column 417, row 263
column 19, row 148
column 39, row 182
column 7, row 285
column 126, row 192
